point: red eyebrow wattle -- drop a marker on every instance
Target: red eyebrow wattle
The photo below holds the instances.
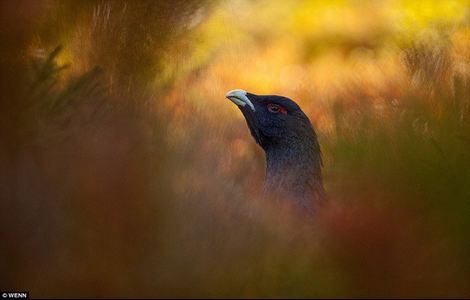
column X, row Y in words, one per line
column 282, row 109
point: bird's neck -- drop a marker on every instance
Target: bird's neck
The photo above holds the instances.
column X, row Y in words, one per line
column 293, row 173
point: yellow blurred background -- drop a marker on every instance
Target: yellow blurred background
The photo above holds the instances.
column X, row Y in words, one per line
column 126, row 173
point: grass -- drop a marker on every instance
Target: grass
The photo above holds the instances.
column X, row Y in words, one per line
column 125, row 173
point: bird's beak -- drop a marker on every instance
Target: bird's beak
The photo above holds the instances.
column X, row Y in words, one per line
column 239, row 98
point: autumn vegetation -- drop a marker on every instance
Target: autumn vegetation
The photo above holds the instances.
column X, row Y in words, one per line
column 125, row 173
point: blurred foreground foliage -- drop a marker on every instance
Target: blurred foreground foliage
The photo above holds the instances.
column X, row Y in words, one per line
column 126, row 174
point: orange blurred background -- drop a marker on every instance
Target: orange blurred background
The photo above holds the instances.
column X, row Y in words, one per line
column 125, row 172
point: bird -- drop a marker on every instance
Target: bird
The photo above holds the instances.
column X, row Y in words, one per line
column 291, row 147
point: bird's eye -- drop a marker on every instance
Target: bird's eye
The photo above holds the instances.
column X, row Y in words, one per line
column 276, row 108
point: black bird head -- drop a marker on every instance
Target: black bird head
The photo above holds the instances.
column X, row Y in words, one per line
column 274, row 121
column 293, row 158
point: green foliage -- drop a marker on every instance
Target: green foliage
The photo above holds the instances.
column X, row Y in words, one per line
column 153, row 187
column 44, row 91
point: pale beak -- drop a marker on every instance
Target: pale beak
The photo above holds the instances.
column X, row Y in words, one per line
column 239, row 98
